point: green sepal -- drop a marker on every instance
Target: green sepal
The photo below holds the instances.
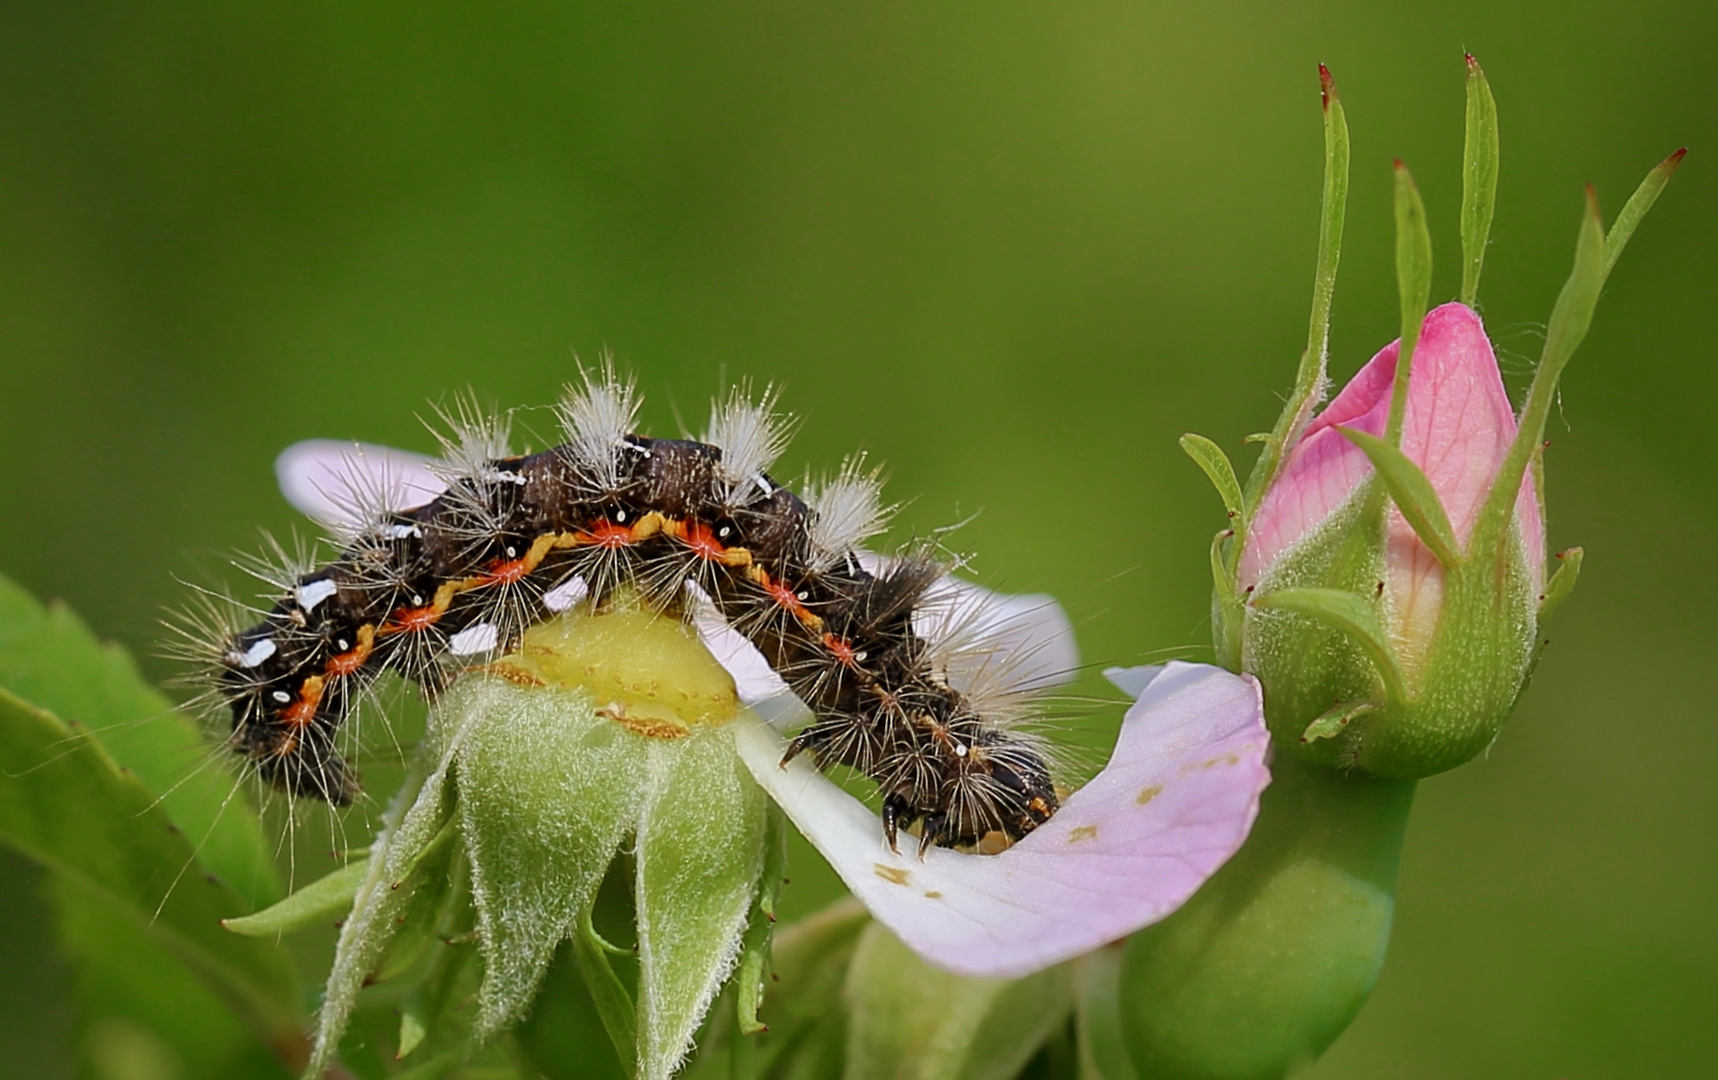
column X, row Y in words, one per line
column 1562, row 582
column 1635, row 209
column 1334, row 722
column 1310, row 379
column 699, row 854
column 1570, row 318
column 328, row 897
column 1479, row 178
column 1272, row 958
column 548, row 789
column 614, row 1005
column 1412, row 493
column 1227, row 610
column 912, row 1021
column 1210, row 458
column 1413, row 289
column 1350, row 613
column 760, row 929
column 426, row 1006
column 1103, row 1053
column 438, row 882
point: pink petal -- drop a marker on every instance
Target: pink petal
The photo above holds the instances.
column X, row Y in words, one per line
column 1458, row 428
column 1175, row 802
column 344, row 485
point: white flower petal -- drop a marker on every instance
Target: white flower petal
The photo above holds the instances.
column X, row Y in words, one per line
column 343, row 485
column 1132, row 681
column 1175, row 802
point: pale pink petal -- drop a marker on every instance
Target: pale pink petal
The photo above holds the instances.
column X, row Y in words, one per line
column 343, row 485
column 1175, row 802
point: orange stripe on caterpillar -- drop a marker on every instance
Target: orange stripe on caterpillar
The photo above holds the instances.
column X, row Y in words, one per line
column 843, row 651
column 351, row 661
column 302, row 711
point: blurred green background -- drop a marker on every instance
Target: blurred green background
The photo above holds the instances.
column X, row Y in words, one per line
column 1012, row 250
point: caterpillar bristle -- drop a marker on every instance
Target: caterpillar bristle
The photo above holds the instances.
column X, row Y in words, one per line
column 596, row 415
column 428, row 588
column 751, row 436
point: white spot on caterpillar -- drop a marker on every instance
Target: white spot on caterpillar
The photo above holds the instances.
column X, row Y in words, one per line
column 566, row 594
column 281, row 696
column 312, row 593
column 763, row 485
column 256, row 654
column 502, row 476
column 400, row 532
column 959, row 749
column 473, row 639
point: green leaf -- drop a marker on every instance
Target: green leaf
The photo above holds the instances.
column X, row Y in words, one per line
column 50, row 658
column 1637, row 206
column 326, row 898
column 1570, row 318
column 134, row 996
column 66, row 804
column 1412, row 493
column 1336, row 720
column 1310, row 379
column 1562, row 582
column 911, row 1021
column 1353, row 615
column 1413, row 288
column 1210, row 457
column 1479, row 178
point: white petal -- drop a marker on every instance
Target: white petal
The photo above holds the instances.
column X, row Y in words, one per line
column 1132, row 681
column 1022, row 642
column 1010, row 642
column 345, row 485
column 1175, row 802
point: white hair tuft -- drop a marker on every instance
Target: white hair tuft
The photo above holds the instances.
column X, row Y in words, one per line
column 597, row 417
column 847, row 510
column 749, row 433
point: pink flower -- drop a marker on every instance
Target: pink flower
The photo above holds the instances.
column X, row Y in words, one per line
column 1385, row 638
column 1458, row 429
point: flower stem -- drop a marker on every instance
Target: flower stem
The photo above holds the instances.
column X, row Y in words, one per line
column 1269, row 962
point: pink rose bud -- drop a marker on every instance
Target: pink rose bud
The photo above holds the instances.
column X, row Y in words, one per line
column 1375, row 650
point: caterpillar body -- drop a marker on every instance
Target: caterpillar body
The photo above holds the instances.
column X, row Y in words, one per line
column 515, row 540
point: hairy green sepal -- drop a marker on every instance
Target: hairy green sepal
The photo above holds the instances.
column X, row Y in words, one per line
column 533, row 777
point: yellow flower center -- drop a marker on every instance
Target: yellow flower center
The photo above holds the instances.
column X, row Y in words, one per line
column 647, row 671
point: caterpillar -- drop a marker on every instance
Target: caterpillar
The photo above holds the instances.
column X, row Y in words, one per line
column 515, row 540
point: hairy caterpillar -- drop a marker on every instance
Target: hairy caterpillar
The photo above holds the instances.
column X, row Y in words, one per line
column 514, row 540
